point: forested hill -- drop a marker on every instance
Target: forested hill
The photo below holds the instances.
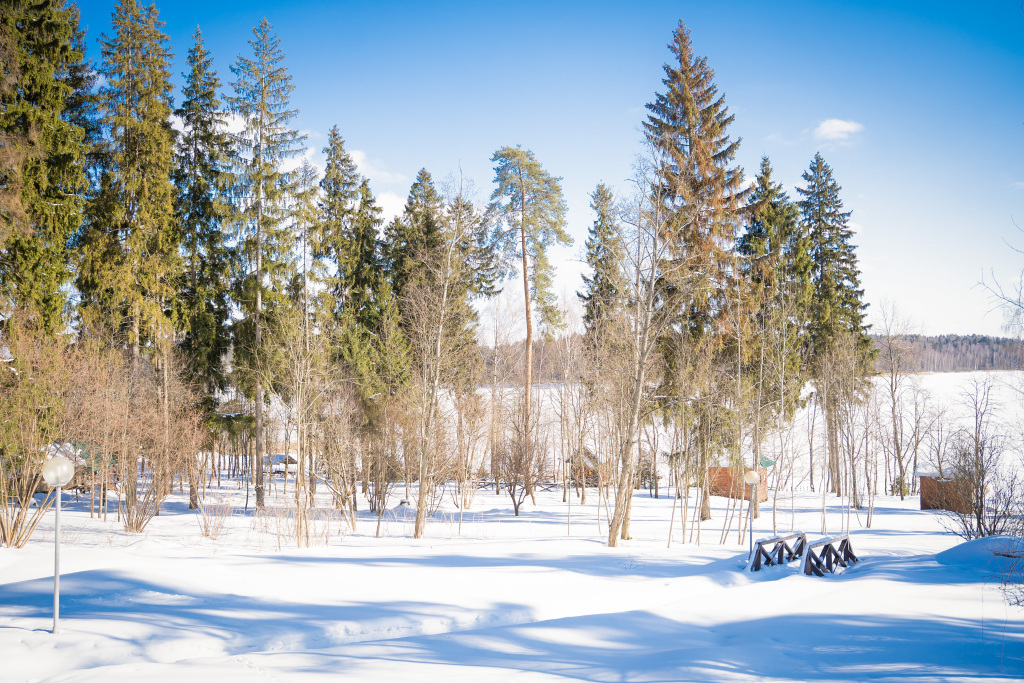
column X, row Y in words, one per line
column 961, row 353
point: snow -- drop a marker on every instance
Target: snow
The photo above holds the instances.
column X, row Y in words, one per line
column 519, row 596
column 535, row 598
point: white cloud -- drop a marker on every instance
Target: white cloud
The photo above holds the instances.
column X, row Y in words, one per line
column 390, row 204
column 855, row 227
column 837, row 130
column 374, row 172
column 1019, row 185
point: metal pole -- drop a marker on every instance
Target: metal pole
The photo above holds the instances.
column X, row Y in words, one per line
column 56, row 567
column 750, row 520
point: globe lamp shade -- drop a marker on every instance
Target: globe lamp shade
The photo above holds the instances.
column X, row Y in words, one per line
column 751, row 477
column 58, row 471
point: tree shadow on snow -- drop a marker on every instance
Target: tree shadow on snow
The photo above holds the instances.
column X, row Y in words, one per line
column 157, row 612
column 641, row 646
column 722, row 571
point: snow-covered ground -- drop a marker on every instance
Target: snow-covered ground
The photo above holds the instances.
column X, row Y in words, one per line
column 526, row 597
column 538, row 597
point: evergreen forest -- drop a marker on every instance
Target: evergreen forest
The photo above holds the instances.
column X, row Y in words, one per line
column 193, row 291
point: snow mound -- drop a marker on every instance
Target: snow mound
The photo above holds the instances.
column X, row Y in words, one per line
column 994, row 553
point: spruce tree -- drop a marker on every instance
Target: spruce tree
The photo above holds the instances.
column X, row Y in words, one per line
column 366, row 271
column 414, row 233
column 605, row 253
column 42, row 177
column 688, row 126
column 371, row 342
column 203, row 178
column 331, row 239
column 776, row 249
column 776, row 264
column 476, row 248
column 130, row 257
column 306, row 216
column 82, row 105
column 262, row 98
column 837, row 311
column 838, row 304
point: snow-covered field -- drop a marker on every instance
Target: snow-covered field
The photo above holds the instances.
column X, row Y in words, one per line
column 526, row 598
column 503, row 598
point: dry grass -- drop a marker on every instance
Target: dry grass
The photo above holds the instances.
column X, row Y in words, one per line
column 288, row 526
column 214, row 513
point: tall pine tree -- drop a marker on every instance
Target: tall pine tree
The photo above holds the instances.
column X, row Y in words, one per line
column 262, row 98
column 42, row 160
column 130, row 257
column 202, row 175
column 529, row 203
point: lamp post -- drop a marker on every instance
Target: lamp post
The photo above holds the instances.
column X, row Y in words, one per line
column 751, row 477
column 57, row 472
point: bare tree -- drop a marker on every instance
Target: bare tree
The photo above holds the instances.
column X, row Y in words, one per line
column 338, row 446
column 894, row 362
column 140, row 417
column 440, row 321
column 300, row 359
column 501, row 364
column 985, row 494
column 651, row 277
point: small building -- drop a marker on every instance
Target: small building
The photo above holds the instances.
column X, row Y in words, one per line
column 728, row 483
column 282, row 463
column 945, row 493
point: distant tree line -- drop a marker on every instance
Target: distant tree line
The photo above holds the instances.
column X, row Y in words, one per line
column 961, row 353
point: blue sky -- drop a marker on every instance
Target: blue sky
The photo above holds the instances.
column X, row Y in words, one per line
column 917, row 106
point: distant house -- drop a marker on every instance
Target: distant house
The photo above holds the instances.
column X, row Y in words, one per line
column 281, row 464
column 945, row 493
column 728, row 483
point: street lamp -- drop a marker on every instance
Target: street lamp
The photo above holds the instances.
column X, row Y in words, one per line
column 57, row 472
column 751, row 477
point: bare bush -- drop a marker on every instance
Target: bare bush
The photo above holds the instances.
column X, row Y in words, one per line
column 213, row 515
column 284, row 526
column 984, row 495
column 338, row 446
column 139, row 416
column 519, row 468
column 35, row 375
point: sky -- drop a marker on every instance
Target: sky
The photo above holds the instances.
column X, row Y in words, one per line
column 917, row 106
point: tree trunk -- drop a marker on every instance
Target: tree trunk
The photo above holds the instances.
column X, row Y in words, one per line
column 528, row 387
column 260, row 499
